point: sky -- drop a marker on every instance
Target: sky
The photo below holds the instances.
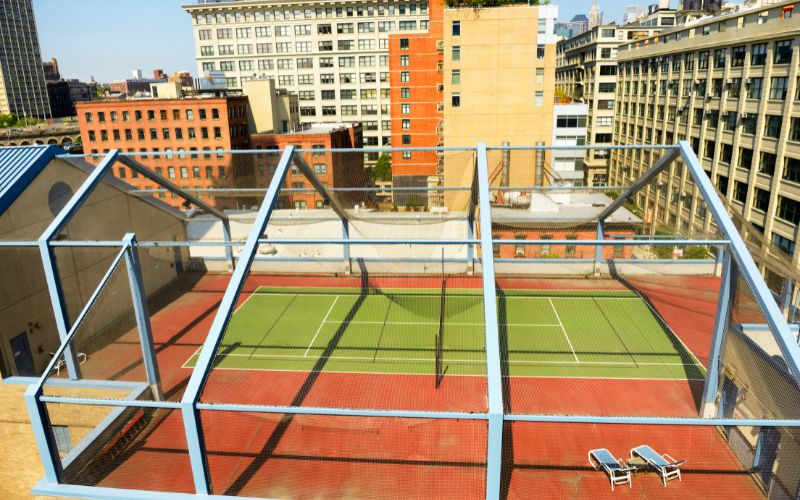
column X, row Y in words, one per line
column 107, row 39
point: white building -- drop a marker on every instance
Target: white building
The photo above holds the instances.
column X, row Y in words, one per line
column 335, row 56
column 569, row 129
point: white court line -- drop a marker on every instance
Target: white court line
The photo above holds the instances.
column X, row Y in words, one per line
column 324, row 320
column 432, row 323
column 474, row 361
column 563, row 330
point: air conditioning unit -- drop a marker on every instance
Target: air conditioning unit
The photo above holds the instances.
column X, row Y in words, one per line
column 708, row 112
column 440, row 87
column 748, row 81
column 726, row 113
column 745, row 115
column 729, row 81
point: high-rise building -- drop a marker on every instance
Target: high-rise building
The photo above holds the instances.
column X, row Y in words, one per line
column 498, row 92
column 595, row 16
column 578, row 24
column 22, row 88
column 586, row 72
column 729, row 86
column 633, row 13
column 335, row 55
column 417, row 84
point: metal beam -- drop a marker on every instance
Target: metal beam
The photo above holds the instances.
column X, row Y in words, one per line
column 662, row 163
column 494, row 373
column 137, row 167
column 197, row 454
column 745, row 262
column 314, row 180
column 473, row 199
column 142, row 313
column 711, row 385
column 49, row 261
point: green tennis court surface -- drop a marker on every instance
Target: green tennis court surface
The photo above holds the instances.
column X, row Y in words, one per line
column 554, row 333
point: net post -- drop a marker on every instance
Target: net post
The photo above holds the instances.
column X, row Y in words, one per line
column 139, row 297
column 348, row 262
column 226, row 235
column 711, row 384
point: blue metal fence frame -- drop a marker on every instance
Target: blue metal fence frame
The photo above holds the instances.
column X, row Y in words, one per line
column 495, row 415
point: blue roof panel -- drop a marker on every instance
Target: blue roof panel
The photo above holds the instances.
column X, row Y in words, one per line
column 18, row 167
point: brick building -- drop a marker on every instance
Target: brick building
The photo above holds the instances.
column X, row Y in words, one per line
column 332, row 169
column 416, row 78
column 186, row 129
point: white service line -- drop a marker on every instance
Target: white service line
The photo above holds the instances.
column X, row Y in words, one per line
column 324, row 320
column 433, row 323
column 563, row 330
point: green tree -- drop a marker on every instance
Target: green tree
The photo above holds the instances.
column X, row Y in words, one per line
column 383, row 168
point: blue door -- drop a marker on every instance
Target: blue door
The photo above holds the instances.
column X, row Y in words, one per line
column 23, row 358
column 766, row 452
column 727, row 401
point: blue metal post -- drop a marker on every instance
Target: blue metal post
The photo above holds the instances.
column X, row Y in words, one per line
column 194, row 438
column 348, row 268
column 598, row 250
column 226, row 234
column 711, row 387
column 494, row 374
column 139, row 298
column 747, row 266
column 43, row 433
column 49, row 261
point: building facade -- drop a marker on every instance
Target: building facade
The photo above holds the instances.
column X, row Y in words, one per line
column 186, row 129
column 586, row 72
column 569, row 129
column 499, row 87
column 335, row 57
column 416, row 77
column 728, row 85
column 22, row 88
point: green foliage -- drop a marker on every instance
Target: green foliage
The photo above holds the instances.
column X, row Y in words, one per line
column 11, row 120
column 383, row 168
column 695, row 252
column 414, row 205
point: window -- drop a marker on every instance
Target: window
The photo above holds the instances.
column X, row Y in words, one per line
column 740, row 191
column 540, row 52
column 405, row 76
column 788, row 209
column 404, row 60
column 328, row 110
column 778, row 88
column 761, row 201
column 305, row 79
column 702, row 60
column 767, row 165
column 405, row 109
column 286, row 80
column 737, row 56
column 781, row 242
column 791, row 170
column 404, row 43
column 349, row 110
column 539, row 75
column 308, row 111
column 456, row 77
column 405, row 93
column 456, row 28
column 749, row 125
column 754, row 88
column 758, row 56
column 745, row 158
column 326, row 78
column 719, row 58
column 772, row 128
column 320, row 169
column 245, row 65
column 456, row 54
column 538, row 99
column 783, row 52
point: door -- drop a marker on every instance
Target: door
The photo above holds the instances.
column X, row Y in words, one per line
column 766, row 452
column 727, row 402
column 23, row 358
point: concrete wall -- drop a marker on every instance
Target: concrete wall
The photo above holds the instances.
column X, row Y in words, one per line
column 107, row 215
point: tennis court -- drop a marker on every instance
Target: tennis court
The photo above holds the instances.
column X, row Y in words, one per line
column 543, row 333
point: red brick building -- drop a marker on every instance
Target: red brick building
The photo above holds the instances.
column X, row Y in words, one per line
column 416, row 77
column 332, row 169
column 188, row 130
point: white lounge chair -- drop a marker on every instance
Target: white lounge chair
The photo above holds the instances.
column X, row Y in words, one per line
column 666, row 466
column 618, row 471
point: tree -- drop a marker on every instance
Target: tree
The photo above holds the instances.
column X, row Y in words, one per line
column 383, row 168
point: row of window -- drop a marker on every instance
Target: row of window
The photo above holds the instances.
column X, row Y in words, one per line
column 292, row 47
column 781, row 54
column 307, row 30
column 351, row 110
column 344, row 94
column 754, row 88
column 163, row 114
column 166, row 133
column 309, row 13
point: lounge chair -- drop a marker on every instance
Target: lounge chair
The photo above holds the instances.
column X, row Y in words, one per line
column 617, row 470
column 667, row 467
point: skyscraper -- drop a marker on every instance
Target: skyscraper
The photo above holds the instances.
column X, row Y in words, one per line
column 22, row 87
column 595, row 16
